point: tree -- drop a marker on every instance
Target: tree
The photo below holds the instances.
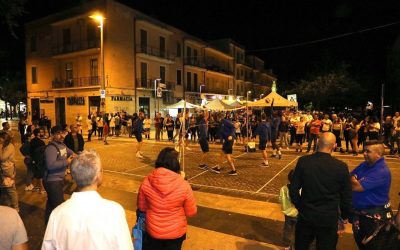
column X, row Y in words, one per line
column 10, row 11
column 334, row 88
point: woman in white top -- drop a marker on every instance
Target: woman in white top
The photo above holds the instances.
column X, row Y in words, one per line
column 300, row 131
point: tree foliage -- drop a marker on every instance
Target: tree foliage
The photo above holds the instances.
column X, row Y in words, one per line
column 10, row 11
column 330, row 88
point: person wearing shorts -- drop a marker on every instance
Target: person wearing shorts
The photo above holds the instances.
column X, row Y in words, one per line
column 227, row 132
column 264, row 134
column 300, row 132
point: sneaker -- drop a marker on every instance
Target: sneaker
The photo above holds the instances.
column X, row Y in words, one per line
column 36, row 189
column 138, row 155
column 189, row 149
column 264, row 165
column 203, row 166
column 232, row 172
column 30, row 187
column 216, row 170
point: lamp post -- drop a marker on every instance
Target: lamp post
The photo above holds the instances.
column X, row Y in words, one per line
column 247, row 117
column 99, row 18
column 155, row 95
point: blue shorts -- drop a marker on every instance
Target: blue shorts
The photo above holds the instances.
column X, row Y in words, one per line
column 204, row 145
column 262, row 144
column 139, row 137
column 227, row 147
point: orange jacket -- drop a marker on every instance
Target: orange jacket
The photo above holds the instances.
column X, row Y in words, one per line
column 167, row 199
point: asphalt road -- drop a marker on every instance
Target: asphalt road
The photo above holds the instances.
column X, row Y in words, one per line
column 217, row 219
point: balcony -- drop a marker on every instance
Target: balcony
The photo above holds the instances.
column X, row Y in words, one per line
column 195, row 61
column 148, row 84
column 91, row 81
column 219, row 69
column 75, row 47
column 156, row 52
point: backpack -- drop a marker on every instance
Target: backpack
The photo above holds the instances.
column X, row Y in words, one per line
column 39, row 159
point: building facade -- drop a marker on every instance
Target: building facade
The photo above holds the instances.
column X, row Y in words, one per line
column 147, row 64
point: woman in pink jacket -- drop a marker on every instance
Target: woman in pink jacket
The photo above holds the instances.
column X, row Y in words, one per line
column 167, row 199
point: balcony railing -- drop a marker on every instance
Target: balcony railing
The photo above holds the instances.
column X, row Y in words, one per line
column 77, row 82
column 195, row 61
column 149, row 84
column 76, row 46
column 152, row 51
column 219, row 69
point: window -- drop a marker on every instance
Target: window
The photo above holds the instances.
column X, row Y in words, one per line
column 143, row 41
column 94, row 79
column 195, row 80
column 179, row 77
column 162, row 46
column 33, row 44
column 143, row 75
column 34, row 74
column 162, row 73
column 178, row 49
column 195, row 54
column 93, row 36
column 189, row 81
column 67, row 40
column 68, row 71
column 189, row 53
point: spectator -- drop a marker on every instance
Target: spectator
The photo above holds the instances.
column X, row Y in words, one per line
column 13, row 233
column 8, row 169
column 325, row 187
column 315, row 126
column 35, row 144
column 290, row 212
column 370, row 183
column 87, row 221
column 74, row 140
column 167, row 199
column 57, row 157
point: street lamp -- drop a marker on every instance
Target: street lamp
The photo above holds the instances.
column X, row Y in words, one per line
column 99, row 18
column 247, row 117
column 155, row 95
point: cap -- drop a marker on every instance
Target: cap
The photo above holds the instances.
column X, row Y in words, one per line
column 56, row 129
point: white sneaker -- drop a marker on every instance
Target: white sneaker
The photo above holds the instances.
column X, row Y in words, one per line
column 29, row 188
column 138, row 155
column 189, row 149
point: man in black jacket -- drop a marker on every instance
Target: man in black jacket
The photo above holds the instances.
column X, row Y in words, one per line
column 74, row 140
column 320, row 190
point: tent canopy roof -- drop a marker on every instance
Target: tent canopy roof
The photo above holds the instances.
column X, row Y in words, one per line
column 279, row 101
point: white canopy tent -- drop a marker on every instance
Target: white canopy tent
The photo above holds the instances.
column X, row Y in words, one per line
column 279, row 101
column 219, row 105
column 181, row 105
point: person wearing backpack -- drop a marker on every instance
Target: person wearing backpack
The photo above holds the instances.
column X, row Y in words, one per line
column 57, row 157
column 37, row 147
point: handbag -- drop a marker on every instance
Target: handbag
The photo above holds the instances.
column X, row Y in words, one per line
column 139, row 230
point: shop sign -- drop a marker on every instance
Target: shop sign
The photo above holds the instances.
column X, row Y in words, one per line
column 121, row 98
column 76, row 100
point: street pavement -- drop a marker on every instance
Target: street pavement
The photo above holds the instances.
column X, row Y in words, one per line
column 234, row 212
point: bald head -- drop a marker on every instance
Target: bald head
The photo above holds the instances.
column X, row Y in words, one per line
column 326, row 142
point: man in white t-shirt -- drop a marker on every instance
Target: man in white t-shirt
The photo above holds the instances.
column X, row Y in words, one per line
column 12, row 231
column 87, row 221
column 326, row 124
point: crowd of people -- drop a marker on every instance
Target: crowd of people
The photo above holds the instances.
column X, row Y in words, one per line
column 321, row 195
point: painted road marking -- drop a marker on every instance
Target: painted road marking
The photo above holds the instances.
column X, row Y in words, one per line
column 295, row 159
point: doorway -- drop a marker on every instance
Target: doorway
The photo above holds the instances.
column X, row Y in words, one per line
column 35, row 110
column 60, row 111
column 144, row 105
column 94, row 105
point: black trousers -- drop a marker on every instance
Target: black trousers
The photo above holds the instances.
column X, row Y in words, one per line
column 55, row 196
column 150, row 243
column 325, row 235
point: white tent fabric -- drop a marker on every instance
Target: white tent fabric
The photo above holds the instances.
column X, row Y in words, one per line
column 234, row 103
column 279, row 101
column 218, row 105
column 181, row 105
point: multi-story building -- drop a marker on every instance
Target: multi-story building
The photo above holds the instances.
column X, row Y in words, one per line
column 66, row 69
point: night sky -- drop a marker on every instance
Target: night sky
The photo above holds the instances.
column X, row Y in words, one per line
column 260, row 25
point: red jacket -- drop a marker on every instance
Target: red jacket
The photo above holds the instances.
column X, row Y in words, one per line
column 167, row 199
